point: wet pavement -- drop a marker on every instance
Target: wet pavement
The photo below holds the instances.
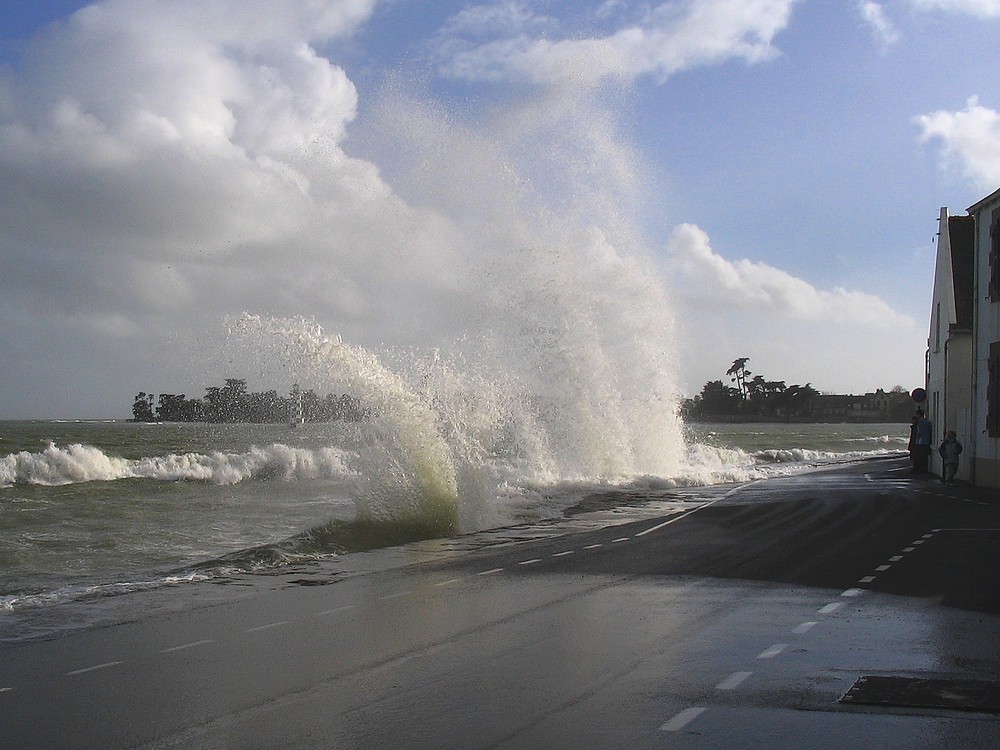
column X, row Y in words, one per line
column 853, row 607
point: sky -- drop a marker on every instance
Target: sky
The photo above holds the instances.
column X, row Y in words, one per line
column 769, row 172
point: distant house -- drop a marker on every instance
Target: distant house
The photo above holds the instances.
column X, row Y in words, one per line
column 871, row 407
column 963, row 349
column 950, row 341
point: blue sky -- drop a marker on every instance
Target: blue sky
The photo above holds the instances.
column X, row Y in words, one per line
column 774, row 167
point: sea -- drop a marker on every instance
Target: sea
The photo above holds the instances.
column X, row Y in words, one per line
column 92, row 509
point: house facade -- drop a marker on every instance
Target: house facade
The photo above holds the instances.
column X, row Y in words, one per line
column 963, row 345
column 986, row 343
column 950, row 340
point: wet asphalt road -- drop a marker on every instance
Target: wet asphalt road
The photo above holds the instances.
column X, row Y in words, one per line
column 736, row 617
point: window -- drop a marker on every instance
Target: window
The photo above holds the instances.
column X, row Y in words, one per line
column 994, row 287
column 993, row 392
column 937, row 328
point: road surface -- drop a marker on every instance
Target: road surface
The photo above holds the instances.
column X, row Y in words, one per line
column 855, row 607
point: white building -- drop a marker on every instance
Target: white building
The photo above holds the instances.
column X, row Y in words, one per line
column 963, row 348
column 950, row 343
column 985, row 436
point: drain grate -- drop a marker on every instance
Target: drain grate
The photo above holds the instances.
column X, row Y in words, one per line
column 918, row 692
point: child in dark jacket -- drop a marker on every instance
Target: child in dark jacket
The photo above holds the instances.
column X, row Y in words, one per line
column 950, row 449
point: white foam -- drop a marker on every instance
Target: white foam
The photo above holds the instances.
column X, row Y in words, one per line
column 78, row 463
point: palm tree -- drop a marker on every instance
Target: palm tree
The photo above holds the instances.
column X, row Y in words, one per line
column 739, row 374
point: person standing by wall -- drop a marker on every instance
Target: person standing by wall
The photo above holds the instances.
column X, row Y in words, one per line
column 949, row 450
column 922, row 443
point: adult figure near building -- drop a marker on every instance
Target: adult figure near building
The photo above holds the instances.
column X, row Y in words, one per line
column 921, row 443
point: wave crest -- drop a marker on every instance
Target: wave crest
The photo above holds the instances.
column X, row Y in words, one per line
column 77, row 463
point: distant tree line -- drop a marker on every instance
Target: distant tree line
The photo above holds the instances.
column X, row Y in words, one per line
column 234, row 404
column 754, row 397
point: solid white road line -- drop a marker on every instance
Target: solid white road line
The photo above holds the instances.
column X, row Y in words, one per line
column 682, row 719
column 94, row 668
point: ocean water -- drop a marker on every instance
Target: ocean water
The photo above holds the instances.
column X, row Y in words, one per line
column 91, row 509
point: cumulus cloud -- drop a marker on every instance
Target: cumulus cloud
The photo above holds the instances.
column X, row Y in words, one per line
column 970, row 140
column 748, row 286
column 981, row 8
column 874, row 16
column 166, row 165
column 791, row 330
column 668, row 38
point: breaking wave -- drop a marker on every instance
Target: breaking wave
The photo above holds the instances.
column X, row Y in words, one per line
column 76, row 463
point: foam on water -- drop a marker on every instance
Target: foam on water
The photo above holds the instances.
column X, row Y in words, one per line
column 55, row 466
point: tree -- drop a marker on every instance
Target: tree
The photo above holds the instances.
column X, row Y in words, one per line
column 142, row 407
column 739, row 374
column 717, row 398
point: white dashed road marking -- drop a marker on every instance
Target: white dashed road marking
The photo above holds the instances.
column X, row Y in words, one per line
column 682, row 719
column 772, row 651
column 335, row 609
column 804, row 627
column 733, row 681
column 831, row 607
column 490, row 572
column 93, row 668
column 266, row 627
column 184, row 646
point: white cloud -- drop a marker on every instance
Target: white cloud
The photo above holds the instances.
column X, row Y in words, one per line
column 670, row 38
column 874, row 15
column 970, row 141
column 757, row 287
column 981, row 8
column 837, row 339
column 164, row 165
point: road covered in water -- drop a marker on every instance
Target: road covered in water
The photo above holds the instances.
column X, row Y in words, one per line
column 848, row 606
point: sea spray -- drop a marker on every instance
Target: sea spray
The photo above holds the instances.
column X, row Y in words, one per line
column 407, row 472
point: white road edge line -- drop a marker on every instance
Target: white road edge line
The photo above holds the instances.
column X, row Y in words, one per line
column 105, row 665
column 682, row 719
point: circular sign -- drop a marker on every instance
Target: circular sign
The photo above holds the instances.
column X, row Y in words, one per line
column 919, row 395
